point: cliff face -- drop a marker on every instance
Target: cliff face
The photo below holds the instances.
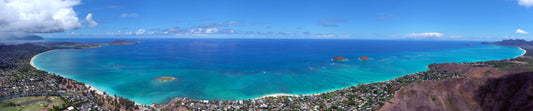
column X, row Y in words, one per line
column 482, row 89
column 455, row 94
column 487, row 86
column 508, row 93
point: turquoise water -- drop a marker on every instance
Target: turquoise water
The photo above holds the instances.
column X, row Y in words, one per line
column 248, row 68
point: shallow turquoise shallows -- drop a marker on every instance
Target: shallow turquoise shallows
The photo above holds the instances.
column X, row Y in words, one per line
column 230, row 69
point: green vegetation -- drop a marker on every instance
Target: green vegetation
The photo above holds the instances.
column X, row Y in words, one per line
column 23, row 99
column 514, row 65
column 7, row 106
column 10, row 105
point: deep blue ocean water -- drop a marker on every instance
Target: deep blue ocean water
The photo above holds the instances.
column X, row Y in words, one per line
column 248, row 68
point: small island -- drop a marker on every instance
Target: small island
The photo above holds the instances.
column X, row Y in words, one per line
column 364, row 58
column 163, row 79
column 339, row 58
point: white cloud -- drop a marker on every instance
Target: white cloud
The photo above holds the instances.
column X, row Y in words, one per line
column 325, row 35
column 177, row 30
column 71, row 33
column 203, row 30
column 520, row 31
column 428, row 35
column 91, row 22
column 140, row 32
column 330, row 35
column 24, row 17
column 527, row 3
column 425, row 35
column 211, row 30
column 124, row 15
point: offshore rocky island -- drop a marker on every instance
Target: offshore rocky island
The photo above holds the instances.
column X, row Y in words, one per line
column 448, row 86
column 163, row 79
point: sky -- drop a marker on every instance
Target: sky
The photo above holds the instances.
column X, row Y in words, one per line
column 302, row 19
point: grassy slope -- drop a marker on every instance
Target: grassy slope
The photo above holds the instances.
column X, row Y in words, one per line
column 30, row 107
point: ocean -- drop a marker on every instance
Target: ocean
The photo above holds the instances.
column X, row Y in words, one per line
column 235, row 69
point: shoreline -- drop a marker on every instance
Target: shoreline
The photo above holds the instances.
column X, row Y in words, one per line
column 86, row 85
column 32, row 58
column 329, row 91
column 293, row 95
column 314, row 94
column 256, row 98
column 97, row 91
column 523, row 54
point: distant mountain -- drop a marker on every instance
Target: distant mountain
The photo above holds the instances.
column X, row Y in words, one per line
column 121, row 42
column 29, row 37
column 514, row 42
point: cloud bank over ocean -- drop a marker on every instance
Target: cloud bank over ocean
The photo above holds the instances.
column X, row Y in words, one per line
column 27, row 17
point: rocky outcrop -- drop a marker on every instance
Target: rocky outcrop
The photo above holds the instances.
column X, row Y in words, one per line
column 455, row 94
column 339, row 58
column 512, row 92
column 481, row 89
column 364, row 58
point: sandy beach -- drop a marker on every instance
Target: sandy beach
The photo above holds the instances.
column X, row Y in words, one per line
column 298, row 95
column 86, row 85
column 522, row 53
column 32, row 58
column 92, row 88
column 291, row 95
